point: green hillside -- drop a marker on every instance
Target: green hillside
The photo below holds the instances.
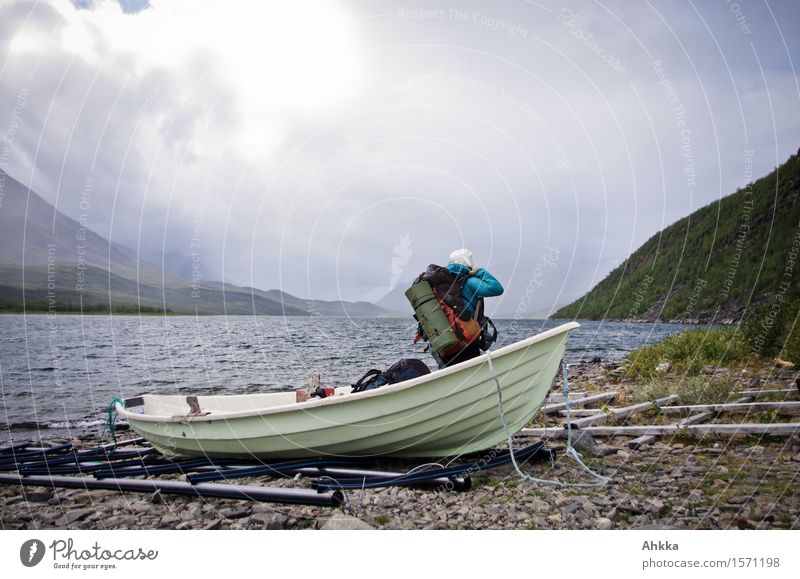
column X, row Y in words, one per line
column 712, row 266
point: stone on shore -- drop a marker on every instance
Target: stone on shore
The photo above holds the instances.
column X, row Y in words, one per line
column 343, row 522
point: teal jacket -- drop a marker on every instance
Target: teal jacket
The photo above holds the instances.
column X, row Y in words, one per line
column 479, row 285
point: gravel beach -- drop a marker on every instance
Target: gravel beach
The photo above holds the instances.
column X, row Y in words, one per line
column 678, row 482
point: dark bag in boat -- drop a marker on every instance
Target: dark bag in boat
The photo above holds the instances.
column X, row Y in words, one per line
column 488, row 329
column 489, row 333
column 405, row 369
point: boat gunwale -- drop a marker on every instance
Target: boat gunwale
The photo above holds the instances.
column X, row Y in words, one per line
column 333, row 400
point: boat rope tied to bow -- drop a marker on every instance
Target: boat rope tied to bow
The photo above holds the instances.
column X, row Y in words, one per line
column 570, row 451
column 111, row 419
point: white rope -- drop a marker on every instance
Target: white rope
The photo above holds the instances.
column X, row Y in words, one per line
column 569, row 451
column 421, row 467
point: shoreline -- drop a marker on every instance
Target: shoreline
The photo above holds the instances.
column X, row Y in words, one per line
column 680, row 482
column 384, row 317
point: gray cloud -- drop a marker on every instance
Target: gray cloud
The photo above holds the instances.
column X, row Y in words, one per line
column 511, row 128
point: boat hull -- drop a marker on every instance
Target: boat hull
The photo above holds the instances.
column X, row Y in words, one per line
column 449, row 412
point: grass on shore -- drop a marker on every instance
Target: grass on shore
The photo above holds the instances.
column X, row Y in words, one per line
column 679, row 363
column 766, row 333
column 688, row 353
column 690, row 390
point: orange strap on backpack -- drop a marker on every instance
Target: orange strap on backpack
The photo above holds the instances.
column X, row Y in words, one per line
column 466, row 330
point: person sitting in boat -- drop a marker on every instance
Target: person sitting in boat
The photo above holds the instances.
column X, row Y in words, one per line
column 479, row 284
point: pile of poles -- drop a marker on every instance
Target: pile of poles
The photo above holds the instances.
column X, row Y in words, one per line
column 699, row 419
column 134, row 466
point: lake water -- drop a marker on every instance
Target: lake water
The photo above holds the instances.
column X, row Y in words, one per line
column 58, row 374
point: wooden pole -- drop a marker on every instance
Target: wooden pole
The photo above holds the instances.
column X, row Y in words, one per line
column 765, row 392
column 731, row 407
column 622, row 412
column 581, row 411
column 550, row 409
column 651, row 438
column 695, row 419
column 559, row 397
column 776, row 429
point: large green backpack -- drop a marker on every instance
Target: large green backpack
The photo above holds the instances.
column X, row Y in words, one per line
column 436, row 296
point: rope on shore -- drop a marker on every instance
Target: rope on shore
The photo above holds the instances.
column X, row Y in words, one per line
column 111, row 419
column 569, row 451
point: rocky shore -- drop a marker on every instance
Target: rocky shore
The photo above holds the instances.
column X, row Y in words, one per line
column 681, row 482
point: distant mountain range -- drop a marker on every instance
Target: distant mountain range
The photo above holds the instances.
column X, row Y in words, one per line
column 395, row 300
column 50, row 261
column 712, row 266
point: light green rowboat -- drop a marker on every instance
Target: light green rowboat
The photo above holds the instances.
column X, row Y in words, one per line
column 445, row 413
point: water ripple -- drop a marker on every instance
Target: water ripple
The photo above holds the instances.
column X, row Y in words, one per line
column 127, row 356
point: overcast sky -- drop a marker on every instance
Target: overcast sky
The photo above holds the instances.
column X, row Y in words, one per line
column 335, row 149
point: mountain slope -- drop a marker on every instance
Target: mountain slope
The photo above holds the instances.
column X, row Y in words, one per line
column 323, row 308
column 712, row 265
column 48, row 259
column 395, row 300
column 32, row 232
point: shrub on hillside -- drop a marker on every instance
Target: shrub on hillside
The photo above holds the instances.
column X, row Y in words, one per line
column 772, row 329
